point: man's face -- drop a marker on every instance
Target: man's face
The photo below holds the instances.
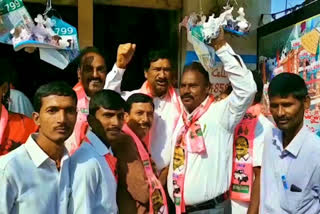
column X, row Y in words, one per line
column 92, row 73
column 178, row 158
column 56, row 118
column 111, row 121
column 140, row 118
column 193, row 89
column 159, row 76
column 288, row 112
column 241, row 147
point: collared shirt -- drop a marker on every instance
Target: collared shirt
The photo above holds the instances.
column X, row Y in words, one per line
column 163, row 122
column 296, row 167
column 91, row 180
column 209, row 175
column 30, row 181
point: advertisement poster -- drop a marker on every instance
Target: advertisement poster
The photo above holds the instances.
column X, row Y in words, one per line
column 295, row 49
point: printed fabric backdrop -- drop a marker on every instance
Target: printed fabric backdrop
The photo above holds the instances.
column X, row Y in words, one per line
column 295, row 49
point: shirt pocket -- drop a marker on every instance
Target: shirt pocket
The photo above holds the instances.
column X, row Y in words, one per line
column 292, row 201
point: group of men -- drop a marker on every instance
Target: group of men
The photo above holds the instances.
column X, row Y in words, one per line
column 97, row 149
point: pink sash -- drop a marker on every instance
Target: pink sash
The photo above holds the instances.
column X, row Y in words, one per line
column 83, row 111
column 190, row 140
column 155, row 188
column 242, row 168
column 3, row 122
column 171, row 97
column 112, row 162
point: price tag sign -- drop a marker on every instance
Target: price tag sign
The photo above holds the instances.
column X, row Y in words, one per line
column 7, row 6
column 62, row 28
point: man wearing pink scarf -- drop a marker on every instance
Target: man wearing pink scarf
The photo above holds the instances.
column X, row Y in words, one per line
column 200, row 168
column 92, row 73
column 158, row 74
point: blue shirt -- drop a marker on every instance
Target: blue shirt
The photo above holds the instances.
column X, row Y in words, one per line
column 93, row 185
column 290, row 180
column 30, row 182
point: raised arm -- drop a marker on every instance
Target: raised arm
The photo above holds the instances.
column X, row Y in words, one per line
column 114, row 77
column 243, row 85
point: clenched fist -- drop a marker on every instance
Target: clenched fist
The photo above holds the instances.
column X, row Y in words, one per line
column 220, row 41
column 124, row 55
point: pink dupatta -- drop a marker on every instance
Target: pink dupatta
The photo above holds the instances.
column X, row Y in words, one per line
column 155, row 186
column 190, row 139
column 171, row 97
column 3, row 122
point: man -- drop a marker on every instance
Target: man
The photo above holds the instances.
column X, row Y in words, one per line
column 93, row 174
column 158, row 72
column 92, row 73
column 14, row 128
column 139, row 118
column 205, row 133
column 31, row 176
column 291, row 164
column 249, row 137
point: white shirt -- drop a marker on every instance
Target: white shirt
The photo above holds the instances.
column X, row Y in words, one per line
column 263, row 131
column 92, row 182
column 209, row 175
column 30, row 182
column 163, row 122
column 299, row 164
column 19, row 103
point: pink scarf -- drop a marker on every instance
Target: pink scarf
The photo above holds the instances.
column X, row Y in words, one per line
column 190, row 139
column 171, row 97
column 155, row 186
column 3, row 122
column 83, row 111
column 242, row 169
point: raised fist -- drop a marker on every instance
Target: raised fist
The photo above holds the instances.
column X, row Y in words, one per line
column 220, row 41
column 124, row 55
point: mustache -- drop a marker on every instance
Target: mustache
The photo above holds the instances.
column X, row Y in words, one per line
column 61, row 127
column 162, row 79
column 95, row 79
column 282, row 118
column 146, row 124
column 187, row 96
column 114, row 129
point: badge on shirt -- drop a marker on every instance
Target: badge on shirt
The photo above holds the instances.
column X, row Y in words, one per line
column 84, row 111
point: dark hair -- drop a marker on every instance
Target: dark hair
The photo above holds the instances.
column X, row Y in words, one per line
column 87, row 50
column 154, row 55
column 53, row 88
column 242, row 137
column 196, row 66
column 138, row 98
column 6, row 70
column 258, row 80
column 107, row 99
column 286, row 84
